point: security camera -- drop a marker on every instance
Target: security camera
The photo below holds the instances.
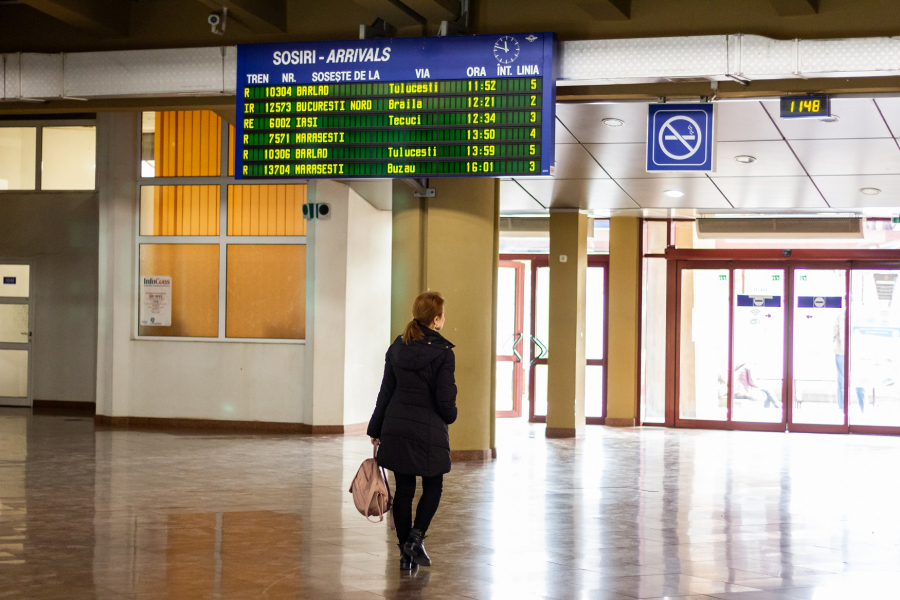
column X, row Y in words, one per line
column 218, row 21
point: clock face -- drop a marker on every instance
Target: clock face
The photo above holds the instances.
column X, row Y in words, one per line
column 506, row 49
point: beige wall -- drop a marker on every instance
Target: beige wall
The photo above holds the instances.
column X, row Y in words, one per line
column 624, row 320
column 566, row 361
column 449, row 245
column 57, row 231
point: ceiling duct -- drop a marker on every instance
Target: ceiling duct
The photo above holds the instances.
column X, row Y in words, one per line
column 780, row 228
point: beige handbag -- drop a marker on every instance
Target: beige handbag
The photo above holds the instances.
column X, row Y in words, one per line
column 371, row 492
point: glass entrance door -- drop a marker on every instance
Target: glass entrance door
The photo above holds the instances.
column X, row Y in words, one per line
column 510, row 322
column 15, row 334
column 818, row 349
column 731, row 339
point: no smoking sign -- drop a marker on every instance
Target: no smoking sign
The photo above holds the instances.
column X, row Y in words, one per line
column 680, row 137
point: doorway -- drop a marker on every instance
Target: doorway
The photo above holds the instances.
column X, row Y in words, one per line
column 787, row 345
column 16, row 325
column 525, row 278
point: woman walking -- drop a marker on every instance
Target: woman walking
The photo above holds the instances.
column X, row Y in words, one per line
column 416, row 403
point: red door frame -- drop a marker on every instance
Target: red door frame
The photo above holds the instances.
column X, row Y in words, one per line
column 516, row 357
column 789, row 261
column 543, row 260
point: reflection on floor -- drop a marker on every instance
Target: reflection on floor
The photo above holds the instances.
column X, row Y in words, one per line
column 620, row 514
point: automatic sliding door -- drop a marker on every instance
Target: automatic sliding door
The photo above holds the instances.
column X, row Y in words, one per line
column 703, row 348
column 758, row 346
column 874, row 348
column 819, row 343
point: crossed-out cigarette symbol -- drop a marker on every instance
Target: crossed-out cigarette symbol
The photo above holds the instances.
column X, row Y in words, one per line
column 691, row 140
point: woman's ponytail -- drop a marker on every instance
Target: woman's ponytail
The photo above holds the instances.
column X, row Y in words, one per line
column 426, row 308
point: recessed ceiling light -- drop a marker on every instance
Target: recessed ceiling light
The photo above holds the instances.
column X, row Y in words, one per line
column 674, row 193
column 869, row 191
column 610, row 122
column 831, row 119
column 745, row 158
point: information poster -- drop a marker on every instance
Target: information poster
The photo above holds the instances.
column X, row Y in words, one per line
column 458, row 106
column 156, row 300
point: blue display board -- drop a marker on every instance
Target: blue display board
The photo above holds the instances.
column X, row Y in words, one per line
column 681, row 137
column 462, row 106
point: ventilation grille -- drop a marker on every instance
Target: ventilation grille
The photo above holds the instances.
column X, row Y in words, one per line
column 785, row 228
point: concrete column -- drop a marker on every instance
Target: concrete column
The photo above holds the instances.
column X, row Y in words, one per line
column 624, row 322
column 566, row 361
column 118, row 158
column 450, row 244
column 348, row 308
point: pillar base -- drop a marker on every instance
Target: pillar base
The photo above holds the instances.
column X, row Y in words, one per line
column 617, row 422
column 473, row 455
column 564, row 432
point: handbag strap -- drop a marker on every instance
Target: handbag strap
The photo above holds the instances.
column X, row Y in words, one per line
column 387, row 484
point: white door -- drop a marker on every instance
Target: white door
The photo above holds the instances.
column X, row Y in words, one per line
column 16, row 318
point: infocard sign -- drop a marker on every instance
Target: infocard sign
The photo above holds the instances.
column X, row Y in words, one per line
column 156, row 301
column 461, row 106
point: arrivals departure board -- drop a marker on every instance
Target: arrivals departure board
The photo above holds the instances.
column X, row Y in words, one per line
column 461, row 106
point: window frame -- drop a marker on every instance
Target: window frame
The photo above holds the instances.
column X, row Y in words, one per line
column 223, row 240
column 39, row 125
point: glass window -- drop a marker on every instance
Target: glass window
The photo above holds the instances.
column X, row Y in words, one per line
column 18, row 155
column 183, row 143
column 180, row 210
column 266, row 210
column 653, row 334
column 266, row 295
column 874, row 348
column 194, row 270
column 657, row 236
column 68, row 158
column 14, row 281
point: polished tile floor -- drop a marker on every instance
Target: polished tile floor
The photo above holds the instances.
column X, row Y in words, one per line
column 620, row 514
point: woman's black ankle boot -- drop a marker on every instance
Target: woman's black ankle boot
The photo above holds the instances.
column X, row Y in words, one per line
column 406, row 561
column 415, row 547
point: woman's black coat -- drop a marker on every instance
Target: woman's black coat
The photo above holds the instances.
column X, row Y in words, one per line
column 416, row 403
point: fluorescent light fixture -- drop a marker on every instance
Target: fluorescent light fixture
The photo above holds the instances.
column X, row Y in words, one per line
column 869, row 191
column 610, row 122
column 674, row 193
column 831, row 119
column 745, row 158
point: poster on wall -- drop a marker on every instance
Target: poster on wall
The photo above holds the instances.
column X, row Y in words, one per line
column 156, row 300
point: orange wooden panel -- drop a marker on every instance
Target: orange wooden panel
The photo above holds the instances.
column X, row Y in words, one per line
column 194, row 269
column 264, row 191
column 289, row 212
column 299, row 201
column 194, row 219
column 274, row 194
column 202, row 167
column 266, row 291
column 254, row 210
column 215, row 148
column 281, row 217
column 214, row 207
column 191, row 144
column 231, row 150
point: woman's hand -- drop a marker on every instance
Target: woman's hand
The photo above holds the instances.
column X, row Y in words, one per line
column 374, row 441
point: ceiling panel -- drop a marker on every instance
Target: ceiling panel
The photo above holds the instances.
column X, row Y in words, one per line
column 849, row 156
column 563, row 136
column 595, row 194
column 513, row 199
column 890, row 109
column 842, row 191
column 585, row 121
column 744, row 121
column 573, row 162
column 773, row 159
column 858, row 118
column 771, row 192
column 628, row 161
column 699, row 192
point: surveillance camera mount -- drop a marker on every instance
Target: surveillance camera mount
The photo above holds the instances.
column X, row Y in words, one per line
column 218, row 25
